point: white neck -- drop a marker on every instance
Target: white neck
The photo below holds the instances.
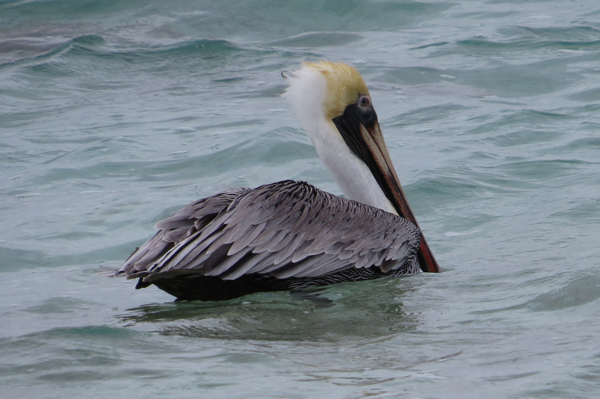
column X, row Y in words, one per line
column 306, row 93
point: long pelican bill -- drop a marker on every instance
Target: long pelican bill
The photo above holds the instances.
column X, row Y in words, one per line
column 374, row 140
column 360, row 129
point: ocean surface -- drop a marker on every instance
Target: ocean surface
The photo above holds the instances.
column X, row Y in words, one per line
column 114, row 113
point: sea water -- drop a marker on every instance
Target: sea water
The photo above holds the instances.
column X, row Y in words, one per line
column 113, row 114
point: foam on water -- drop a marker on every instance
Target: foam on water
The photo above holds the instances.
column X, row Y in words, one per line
column 114, row 114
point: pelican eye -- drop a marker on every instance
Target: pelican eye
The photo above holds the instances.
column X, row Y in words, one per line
column 364, row 102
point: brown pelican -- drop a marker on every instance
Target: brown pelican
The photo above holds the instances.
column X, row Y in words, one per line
column 289, row 234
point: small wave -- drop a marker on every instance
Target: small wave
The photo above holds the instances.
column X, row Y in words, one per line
column 92, row 47
column 316, row 39
column 540, row 169
column 451, row 234
column 578, row 292
column 528, row 39
column 585, row 144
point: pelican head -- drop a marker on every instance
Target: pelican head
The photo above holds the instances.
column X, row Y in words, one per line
column 335, row 108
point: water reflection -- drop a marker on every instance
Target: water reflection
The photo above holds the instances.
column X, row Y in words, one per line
column 333, row 314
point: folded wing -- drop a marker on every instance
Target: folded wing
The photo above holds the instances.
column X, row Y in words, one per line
column 284, row 230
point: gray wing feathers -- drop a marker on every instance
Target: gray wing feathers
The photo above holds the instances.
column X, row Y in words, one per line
column 176, row 229
column 285, row 229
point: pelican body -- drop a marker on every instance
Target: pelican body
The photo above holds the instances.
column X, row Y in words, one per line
column 289, row 234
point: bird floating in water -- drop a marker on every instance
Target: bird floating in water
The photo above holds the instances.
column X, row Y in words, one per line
column 289, row 234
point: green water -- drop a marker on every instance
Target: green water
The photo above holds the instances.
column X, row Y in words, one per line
column 114, row 114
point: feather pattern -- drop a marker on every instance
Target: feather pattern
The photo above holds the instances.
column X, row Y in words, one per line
column 283, row 230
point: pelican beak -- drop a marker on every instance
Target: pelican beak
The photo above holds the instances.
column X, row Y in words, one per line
column 373, row 138
column 359, row 127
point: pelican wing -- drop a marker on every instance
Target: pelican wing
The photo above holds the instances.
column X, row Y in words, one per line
column 286, row 229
